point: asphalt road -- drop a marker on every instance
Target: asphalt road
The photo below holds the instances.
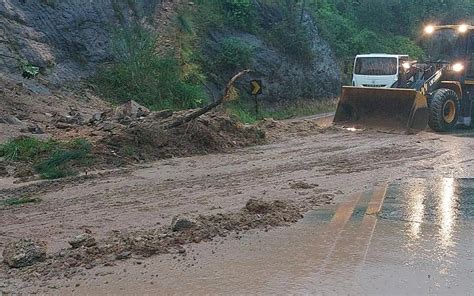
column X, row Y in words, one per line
column 412, row 237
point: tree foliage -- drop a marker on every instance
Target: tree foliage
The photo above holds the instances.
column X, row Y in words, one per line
column 392, row 26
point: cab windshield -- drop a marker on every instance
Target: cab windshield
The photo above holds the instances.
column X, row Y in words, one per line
column 376, row 66
column 446, row 46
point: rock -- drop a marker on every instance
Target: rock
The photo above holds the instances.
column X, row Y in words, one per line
column 49, row 34
column 33, row 129
column 3, row 171
column 108, row 126
column 123, row 255
column 82, row 240
column 98, row 117
column 10, row 119
column 269, row 123
column 23, row 172
column 163, row 114
column 258, row 206
column 182, row 223
column 302, row 185
column 24, row 252
column 284, row 78
column 131, row 109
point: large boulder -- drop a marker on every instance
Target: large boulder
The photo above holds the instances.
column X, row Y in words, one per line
column 24, row 252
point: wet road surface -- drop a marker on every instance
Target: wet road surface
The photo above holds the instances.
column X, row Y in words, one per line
column 411, row 238
column 414, row 237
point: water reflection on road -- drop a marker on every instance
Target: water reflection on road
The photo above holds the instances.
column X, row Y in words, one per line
column 411, row 238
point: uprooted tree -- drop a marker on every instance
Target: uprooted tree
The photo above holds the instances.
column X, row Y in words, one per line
column 204, row 110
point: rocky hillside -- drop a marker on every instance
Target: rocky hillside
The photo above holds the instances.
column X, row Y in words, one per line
column 285, row 78
column 68, row 39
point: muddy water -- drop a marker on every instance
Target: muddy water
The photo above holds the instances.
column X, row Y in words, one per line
column 411, row 238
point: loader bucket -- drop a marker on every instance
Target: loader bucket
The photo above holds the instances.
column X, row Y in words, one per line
column 401, row 109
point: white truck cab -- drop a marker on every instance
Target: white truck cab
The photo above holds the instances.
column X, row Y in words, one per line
column 378, row 70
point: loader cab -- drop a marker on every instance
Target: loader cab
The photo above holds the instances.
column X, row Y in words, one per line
column 377, row 70
column 451, row 44
column 470, row 50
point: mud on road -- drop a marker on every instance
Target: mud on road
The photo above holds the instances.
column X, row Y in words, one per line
column 305, row 168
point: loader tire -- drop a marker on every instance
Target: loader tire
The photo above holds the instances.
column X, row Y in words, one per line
column 444, row 110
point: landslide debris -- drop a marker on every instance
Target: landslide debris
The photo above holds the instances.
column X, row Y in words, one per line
column 24, row 252
column 149, row 138
column 257, row 214
column 131, row 133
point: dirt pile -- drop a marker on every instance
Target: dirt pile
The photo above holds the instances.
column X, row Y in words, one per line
column 24, row 253
column 119, row 245
column 129, row 133
column 276, row 130
column 149, row 138
column 31, row 109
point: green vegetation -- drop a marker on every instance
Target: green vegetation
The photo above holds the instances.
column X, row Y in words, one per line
column 219, row 14
column 26, row 149
column 50, row 158
column 240, row 14
column 28, row 70
column 245, row 110
column 59, row 163
column 19, row 201
column 139, row 73
column 289, row 34
column 176, row 80
column 234, row 54
column 393, row 26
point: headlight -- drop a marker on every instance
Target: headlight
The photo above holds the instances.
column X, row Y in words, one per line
column 429, row 29
column 458, row 67
column 463, row 28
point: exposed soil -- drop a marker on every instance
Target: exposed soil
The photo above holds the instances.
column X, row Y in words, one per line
column 300, row 172
column 36, row 106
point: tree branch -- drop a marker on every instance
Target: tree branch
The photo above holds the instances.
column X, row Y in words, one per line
column 211, row 106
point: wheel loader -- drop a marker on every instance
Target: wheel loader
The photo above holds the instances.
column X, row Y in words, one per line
column 438, row 93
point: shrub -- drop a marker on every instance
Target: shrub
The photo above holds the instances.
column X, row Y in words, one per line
column 234, row 54
column 290, row 35
column 240, row 14
column 292, row 39
column 139, row 73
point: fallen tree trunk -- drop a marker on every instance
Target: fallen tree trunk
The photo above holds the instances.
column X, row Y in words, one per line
column 211, row 106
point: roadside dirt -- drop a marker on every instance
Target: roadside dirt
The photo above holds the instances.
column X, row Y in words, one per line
column 303, row 168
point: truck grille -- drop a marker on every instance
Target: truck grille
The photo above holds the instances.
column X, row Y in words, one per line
column 374, row 85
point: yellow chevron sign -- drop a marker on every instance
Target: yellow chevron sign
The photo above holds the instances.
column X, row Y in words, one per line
column 256, row 86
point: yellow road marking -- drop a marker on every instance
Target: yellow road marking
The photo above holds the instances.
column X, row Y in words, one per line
column 375, row 204
column 344, row 212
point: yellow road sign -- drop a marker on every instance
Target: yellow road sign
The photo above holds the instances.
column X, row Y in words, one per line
column 256, row 86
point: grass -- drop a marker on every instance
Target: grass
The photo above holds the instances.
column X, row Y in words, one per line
column 19, row 201
column 140, row 73
column 26, row 149
column 245, row 110
column 58, row 164
column 51, row 159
